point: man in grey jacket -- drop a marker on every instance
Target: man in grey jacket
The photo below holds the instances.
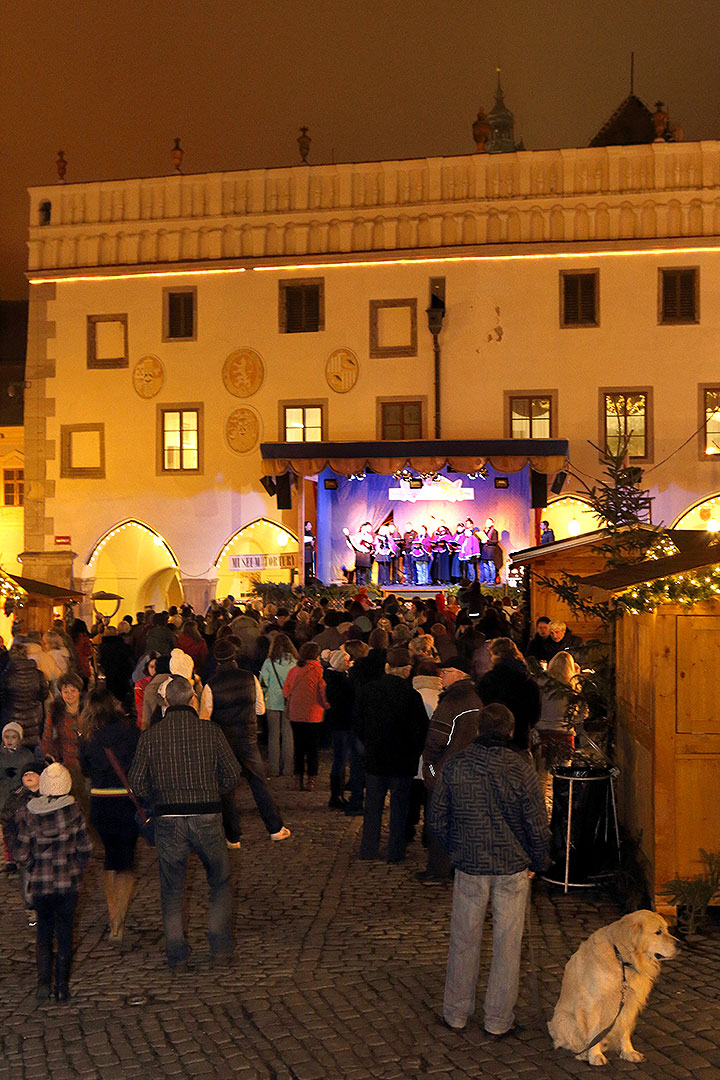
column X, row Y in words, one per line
column 488, row 813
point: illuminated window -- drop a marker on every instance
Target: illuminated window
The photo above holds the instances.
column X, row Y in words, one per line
column 711, row 420
column 179, row 314
column 401, row 420
column 579, row 298
column 180, row 438
column 301, row 306
column 626, row 420
column 531, row 417
column 14, row 484
column 303, row 423
column 678, row 298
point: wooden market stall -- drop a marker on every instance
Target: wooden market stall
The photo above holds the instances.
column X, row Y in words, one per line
column 668, row 695
column 38, row 600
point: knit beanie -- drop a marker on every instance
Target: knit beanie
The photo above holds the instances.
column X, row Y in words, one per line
column 181, row 664
column 55, row 780
column 12, row 726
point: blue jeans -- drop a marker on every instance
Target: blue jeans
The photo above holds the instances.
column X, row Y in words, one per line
column 422, row 573
column 508, row 894
column 341, row 741
column 376, row 788
column 175, row 838
column 357, row 773
column 488, row 572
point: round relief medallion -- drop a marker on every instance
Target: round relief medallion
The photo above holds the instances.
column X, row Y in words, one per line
column 243, row 372
column 242, row 430
column 342, row 370
column 148, row 376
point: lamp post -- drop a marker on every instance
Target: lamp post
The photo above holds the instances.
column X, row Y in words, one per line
column 435, row 315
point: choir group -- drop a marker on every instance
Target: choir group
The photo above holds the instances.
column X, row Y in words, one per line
column 422, row 556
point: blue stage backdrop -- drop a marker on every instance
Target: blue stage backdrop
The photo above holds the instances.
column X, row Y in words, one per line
column 452, row 499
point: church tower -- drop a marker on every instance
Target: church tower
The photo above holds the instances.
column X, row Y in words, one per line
column 502, row 125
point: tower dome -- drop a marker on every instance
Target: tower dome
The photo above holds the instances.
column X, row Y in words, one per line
column 502, row 125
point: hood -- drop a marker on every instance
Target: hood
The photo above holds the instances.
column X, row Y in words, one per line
column 48, row 805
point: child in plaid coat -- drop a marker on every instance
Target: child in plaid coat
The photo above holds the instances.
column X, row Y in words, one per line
column 53, row 845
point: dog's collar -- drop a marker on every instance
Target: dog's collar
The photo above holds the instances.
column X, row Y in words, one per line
column 624, row 964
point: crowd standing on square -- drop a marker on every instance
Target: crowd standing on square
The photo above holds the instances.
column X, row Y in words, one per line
column 449, row 706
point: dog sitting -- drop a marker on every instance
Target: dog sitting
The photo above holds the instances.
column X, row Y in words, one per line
column 619, row 962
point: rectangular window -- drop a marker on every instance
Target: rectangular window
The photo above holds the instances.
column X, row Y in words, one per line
column 107, row 341
column 303, row 423
column 531, row 417
column 302, row 306
column 711, row 419
column 180, row 429
column 14, row 484
column 179, row 314
column 579, row 298
column 401, row 420
column 678, row 299
column 626, row 421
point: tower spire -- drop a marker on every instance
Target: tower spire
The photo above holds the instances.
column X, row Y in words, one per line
column 632, row 72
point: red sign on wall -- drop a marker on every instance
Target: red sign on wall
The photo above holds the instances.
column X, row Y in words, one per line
column 63, row 541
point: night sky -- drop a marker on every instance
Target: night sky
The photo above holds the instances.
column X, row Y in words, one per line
column 113, row 83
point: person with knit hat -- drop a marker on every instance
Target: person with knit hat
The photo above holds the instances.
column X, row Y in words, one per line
column 13, row 758
column 54, row 846
column 28, row 787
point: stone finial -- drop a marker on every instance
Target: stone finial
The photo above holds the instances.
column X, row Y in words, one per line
column 61, row 165
column 659, row 119
column 177, row 154
column 481, row 131
column 304, row 141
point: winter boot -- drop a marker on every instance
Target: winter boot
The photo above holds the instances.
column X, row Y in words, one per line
column 337, row 786
column 44, row 956
column 62, row 977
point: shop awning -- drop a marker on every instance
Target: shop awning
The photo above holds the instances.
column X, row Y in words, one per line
column 45, row 589
column 424, row 456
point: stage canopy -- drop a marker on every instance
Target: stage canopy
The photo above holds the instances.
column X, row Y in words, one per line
column 424, row 456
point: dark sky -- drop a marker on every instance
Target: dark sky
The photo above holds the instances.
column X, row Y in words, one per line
column 112, row 82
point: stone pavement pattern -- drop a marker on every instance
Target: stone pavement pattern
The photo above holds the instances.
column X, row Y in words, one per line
column 338, row 973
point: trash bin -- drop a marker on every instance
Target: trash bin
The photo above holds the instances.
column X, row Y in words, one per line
column 585, row 838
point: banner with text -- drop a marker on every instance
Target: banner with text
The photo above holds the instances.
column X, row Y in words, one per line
column 287, row 560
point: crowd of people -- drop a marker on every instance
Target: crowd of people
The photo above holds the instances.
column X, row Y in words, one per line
column 178, row 709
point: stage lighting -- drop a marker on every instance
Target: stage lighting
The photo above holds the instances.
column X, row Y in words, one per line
column 330, row 485
column 269, row 484
column 502, row 482
column 415, row 483
column 558, row 483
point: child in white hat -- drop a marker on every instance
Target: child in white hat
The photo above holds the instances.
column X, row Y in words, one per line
column 13, row 759
column 53, row 844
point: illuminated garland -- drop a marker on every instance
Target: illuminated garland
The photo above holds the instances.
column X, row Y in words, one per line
column 689, row 588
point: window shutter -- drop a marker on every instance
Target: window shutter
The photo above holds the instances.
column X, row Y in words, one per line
column 312, row 308
column 571, row 309
column 294, row 308
column 670, row 307
column 181, row 315
column 686, row 295
column 587, row 298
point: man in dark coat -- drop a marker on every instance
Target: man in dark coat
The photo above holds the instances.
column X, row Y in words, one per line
column 391, row 722
column 453, row 726
column 542, row 646
column 508, row 682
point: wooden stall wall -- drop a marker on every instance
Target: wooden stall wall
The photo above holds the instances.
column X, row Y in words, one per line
column 581, row 562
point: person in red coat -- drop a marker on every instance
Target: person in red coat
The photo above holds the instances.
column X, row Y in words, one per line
column 304, row 690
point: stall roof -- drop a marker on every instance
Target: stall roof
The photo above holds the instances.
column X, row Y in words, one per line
column 423, row 455
column 622, row 577
column 45, row 588
column 686, row 540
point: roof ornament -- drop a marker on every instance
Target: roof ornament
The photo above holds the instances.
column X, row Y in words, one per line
column 61, row 166
column 304, row 141
column 177, row 154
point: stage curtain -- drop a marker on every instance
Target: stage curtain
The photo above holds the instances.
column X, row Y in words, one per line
column 388, row 466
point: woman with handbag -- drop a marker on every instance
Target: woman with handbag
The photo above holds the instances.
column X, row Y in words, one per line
column 304, row 690
column 112, row 812
column 280, row 661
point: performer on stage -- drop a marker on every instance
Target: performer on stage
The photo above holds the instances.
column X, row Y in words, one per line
column 489, row 540
column 397, row 540
column 442, row 540
column 421, row 556
column 469, row 550
column 309, row 546
column 385, row 549
column 408, row 564
column 455, row 571
column 363, row 544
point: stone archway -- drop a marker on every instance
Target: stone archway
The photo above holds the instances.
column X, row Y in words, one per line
column 137, row 563
column 259, row 537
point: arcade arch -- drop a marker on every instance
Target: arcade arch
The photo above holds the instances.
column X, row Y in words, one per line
column 570, row 515
column 704, row 514
column 137, row 563
column 259, row 537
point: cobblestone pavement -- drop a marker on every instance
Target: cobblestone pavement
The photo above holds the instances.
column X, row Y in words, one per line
column 338, row 973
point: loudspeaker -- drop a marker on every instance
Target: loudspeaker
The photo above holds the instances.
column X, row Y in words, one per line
column 284, row 492
column 268, row 483
column 558, row 483
column 538, row 490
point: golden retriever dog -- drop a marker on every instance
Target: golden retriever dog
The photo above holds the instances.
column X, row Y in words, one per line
column 593, row 986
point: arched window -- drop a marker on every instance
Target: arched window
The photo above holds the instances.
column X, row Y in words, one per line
column 44, row 213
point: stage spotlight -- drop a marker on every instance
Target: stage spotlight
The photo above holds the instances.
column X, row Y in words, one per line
column 269, row 484
column 558, row 483
column 502, row 482
column 415, row 483
column 330, row 485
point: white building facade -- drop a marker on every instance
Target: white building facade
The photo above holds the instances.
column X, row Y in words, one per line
column 176, row 323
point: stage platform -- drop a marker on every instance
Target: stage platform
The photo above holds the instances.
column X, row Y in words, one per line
column 426, row 592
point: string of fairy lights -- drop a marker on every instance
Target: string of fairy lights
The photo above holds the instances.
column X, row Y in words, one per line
column 689, row 588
